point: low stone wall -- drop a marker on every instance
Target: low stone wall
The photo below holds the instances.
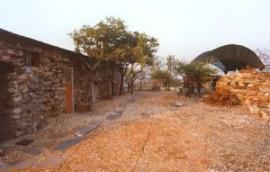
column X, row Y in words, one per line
column 251, row 86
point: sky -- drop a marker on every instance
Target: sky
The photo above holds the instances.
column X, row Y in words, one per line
column 185, row 28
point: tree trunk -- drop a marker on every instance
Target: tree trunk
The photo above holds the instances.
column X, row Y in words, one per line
column 132, row 84
column 129, row 85
column 93, row 93
column 121, row 89
column 199, row 87
column 112, row 88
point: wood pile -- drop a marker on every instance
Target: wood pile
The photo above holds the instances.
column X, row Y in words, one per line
column 222, row 98
column 252, row 87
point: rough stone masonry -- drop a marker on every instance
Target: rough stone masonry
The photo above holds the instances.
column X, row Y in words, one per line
column 34, row 84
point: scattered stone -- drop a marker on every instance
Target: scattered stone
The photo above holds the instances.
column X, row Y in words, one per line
column 128, row 101
column 249, row 85
column 50, row 162
column 264, row 115
column 265, row 90
column 24, row 142
column 145, row 114
column 17, row 99
column 32, row 151
column 254, row 109
column 87, row 129
column 18, row 133
column 178, row 104
column 2, row 151
column 17, row 110
column 1, row 164
column 113, row 116
column 261, row 112
column 62, row 146
column 18, row 165
column 17, row 116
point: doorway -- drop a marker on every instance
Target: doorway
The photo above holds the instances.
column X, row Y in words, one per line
column 6, row 128
column 69, row 100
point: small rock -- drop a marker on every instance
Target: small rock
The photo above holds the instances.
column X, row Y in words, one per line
column 178, row 104
column 17, row 99
column 113, row 116
column 24, row 142
column 18, row 133
column 24, row 89
column 264, row 115
column 265, row 90
column 254, row 109
column 87, row 129
column 145, row 114
column 12, row 90
column 17, row 110
column 17, row 116
column 62, row 146
column 32, row 151
column 22, row 77
column 2, row 152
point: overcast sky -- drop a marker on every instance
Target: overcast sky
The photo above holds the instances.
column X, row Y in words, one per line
column 185, row 28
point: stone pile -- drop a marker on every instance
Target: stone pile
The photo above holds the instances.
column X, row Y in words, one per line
column 251, row 86
column 222, row 98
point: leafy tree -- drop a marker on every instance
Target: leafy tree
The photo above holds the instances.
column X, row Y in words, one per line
column 171, row 62
column 194, row 75
column 126, row 55
column 110, row 41
column 164, row 77
column 100, row 43
column 143, row 52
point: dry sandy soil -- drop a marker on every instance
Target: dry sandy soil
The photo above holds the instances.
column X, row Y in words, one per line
column 154, row 135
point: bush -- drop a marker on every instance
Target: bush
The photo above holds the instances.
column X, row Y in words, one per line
column 164, row 78
column 194, row 75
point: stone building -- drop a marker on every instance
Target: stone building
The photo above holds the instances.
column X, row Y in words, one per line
column 38, row 80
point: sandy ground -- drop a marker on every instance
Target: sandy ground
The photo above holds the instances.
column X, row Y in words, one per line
column 153, row 135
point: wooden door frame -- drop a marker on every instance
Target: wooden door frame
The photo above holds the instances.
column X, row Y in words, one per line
column 72, row 85
column 69, row 89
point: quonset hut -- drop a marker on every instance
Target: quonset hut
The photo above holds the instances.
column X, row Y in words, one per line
column 231, row 57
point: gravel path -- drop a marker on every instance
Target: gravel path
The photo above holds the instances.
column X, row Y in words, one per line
column 148, row 132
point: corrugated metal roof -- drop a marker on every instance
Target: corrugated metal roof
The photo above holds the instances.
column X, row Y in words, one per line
column 233, row 57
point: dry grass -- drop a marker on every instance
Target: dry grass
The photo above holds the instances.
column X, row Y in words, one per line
column 196, row 137
column 222, row 98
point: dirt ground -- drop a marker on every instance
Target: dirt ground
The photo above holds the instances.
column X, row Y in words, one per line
column 152, row 134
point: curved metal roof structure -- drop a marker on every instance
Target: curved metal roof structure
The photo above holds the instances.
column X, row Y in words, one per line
column 232, row 57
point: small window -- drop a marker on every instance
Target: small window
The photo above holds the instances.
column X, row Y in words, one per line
column 31, row 59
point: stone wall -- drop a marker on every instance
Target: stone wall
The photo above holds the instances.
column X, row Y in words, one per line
column 37, row 91
column 36, row 79
column 82, row 88
column 251, row 86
